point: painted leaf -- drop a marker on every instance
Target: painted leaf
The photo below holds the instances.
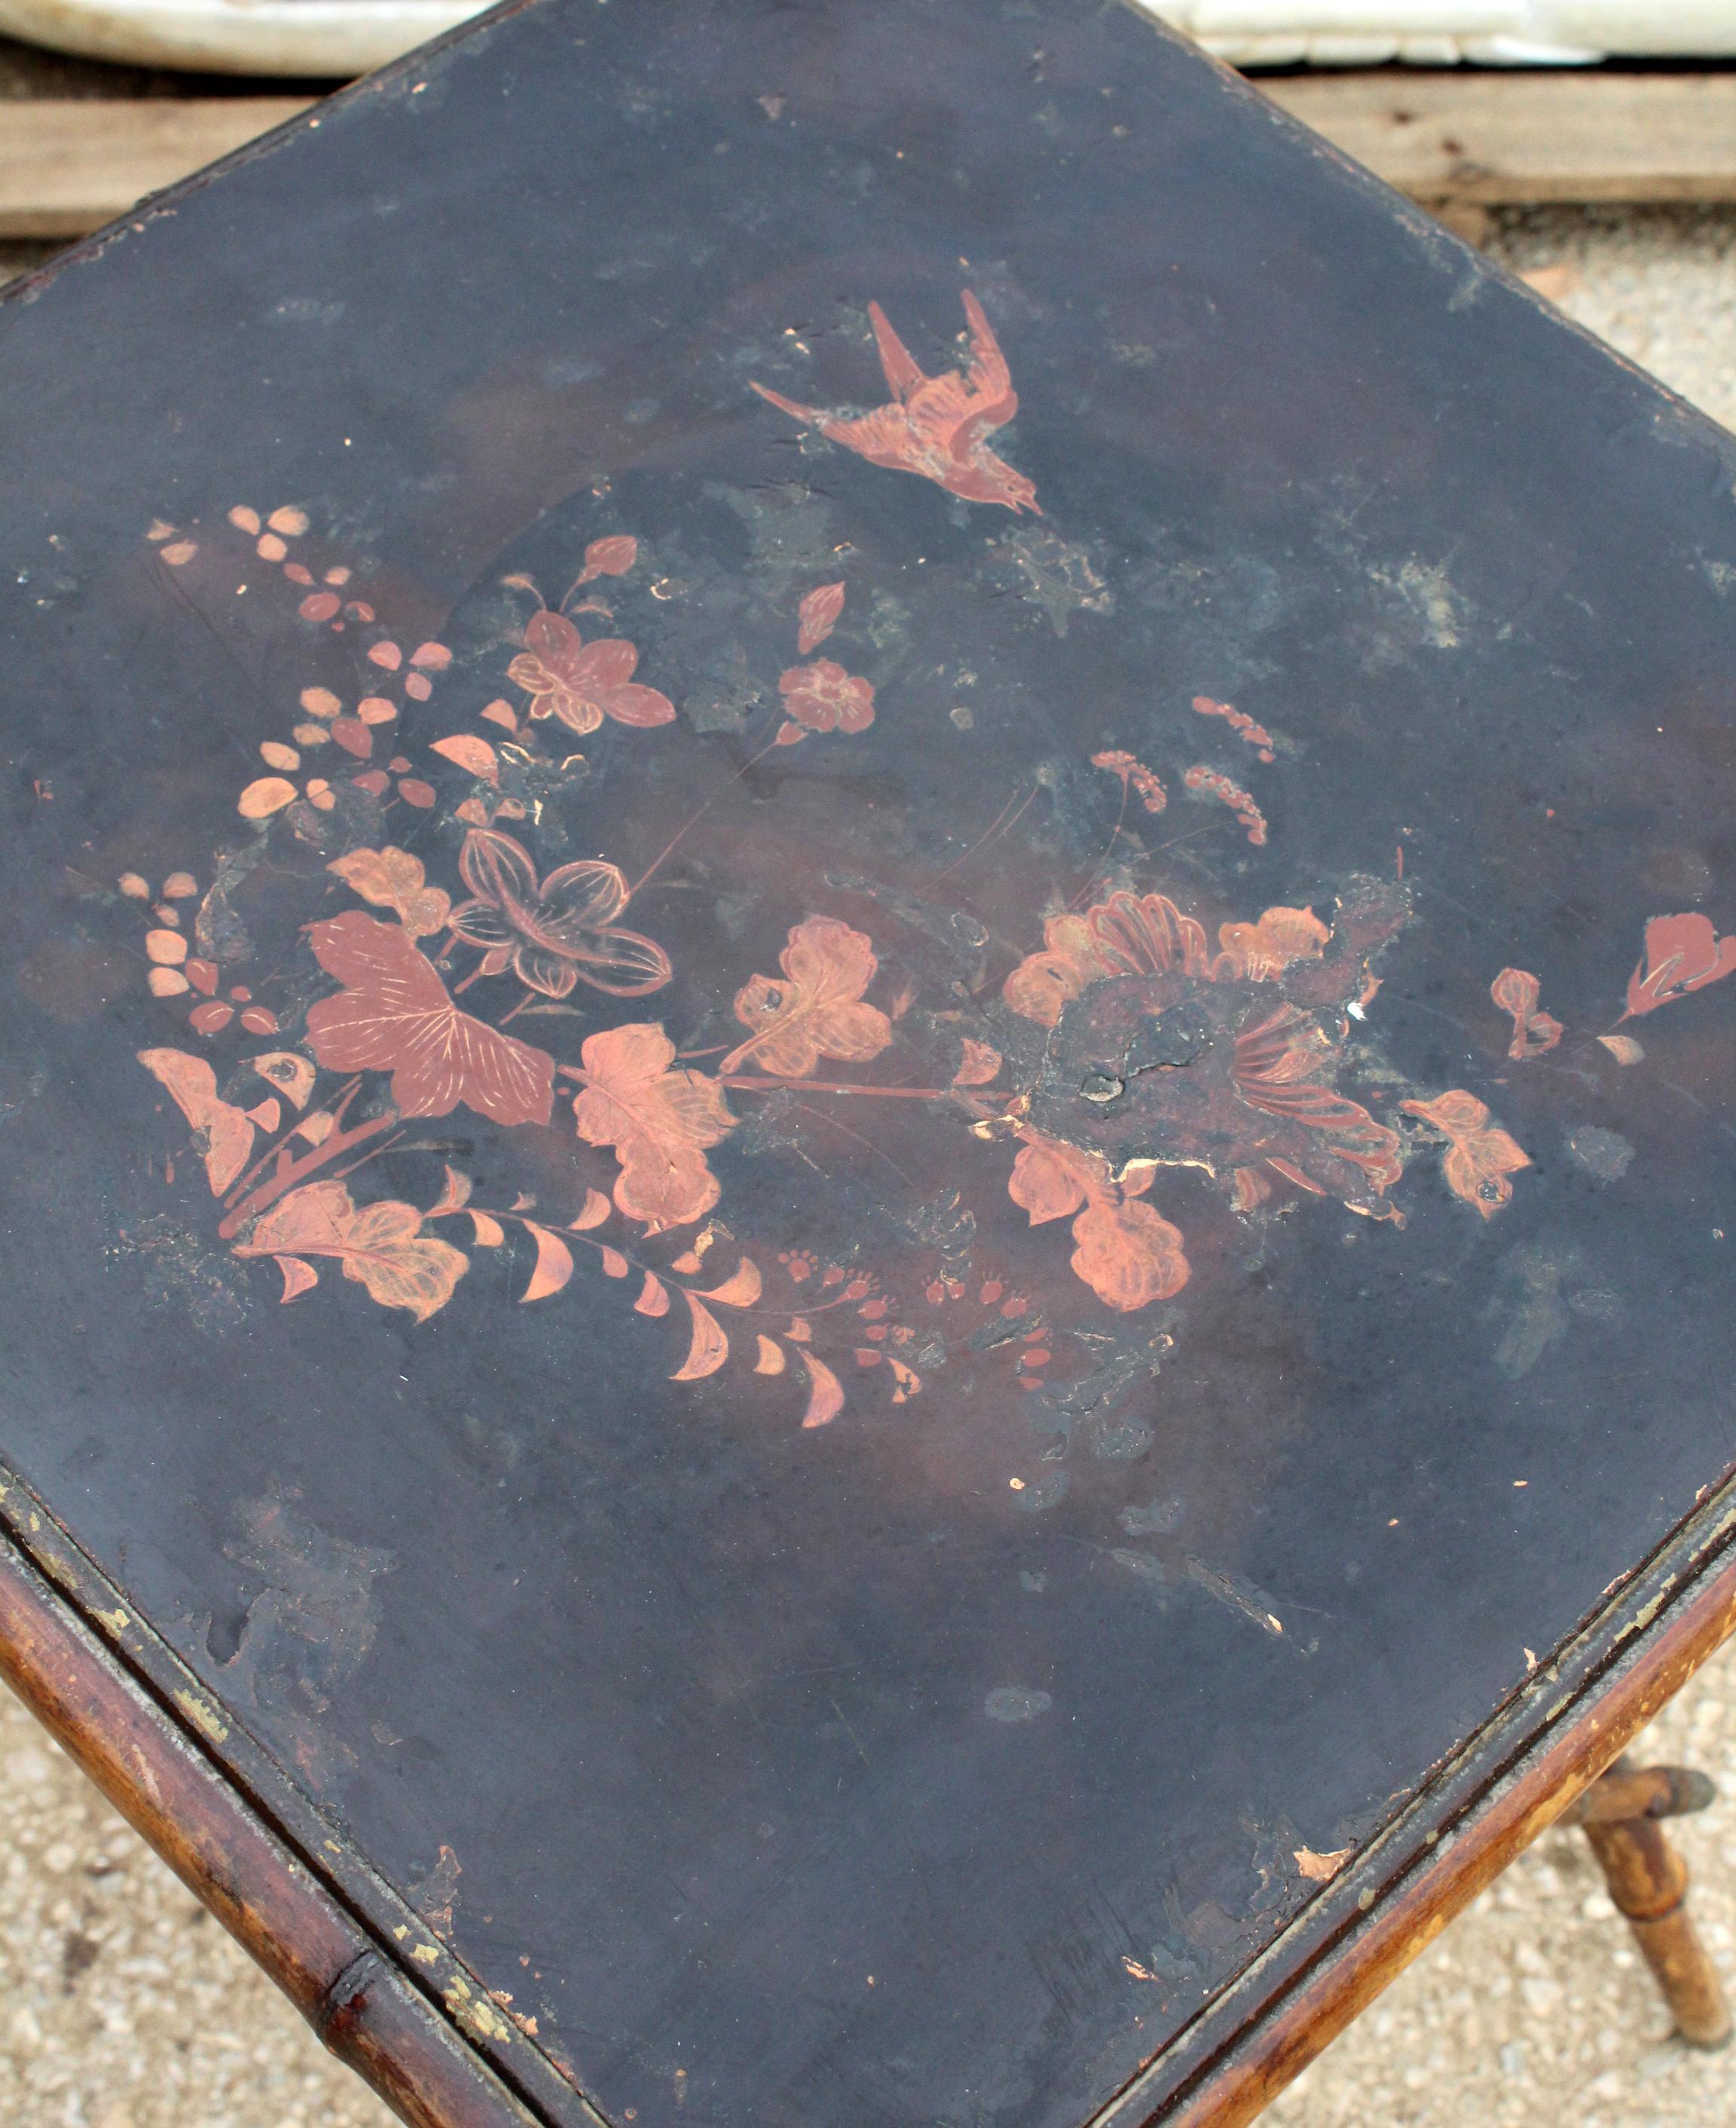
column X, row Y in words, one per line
column 1535, row 1032
column 455, row 1193
column 1128, row 1254
column 613, row 557
column 653, row 1297
column 742, row 1287
column 1682, row 953
column 391, row 878
column 266, row 795
column 475, row 756
column 1049, row 1181
column 1480, row 1156
column 710, row 1348
column 224, row 1134
column 615, row 1264
column 770, row 1360
column 825, row 1393
column 979, row 1065
column 394, row 1015
column 659, row 1116
column 380, row 1245
column 553, row 1265
column 817, row 1010
column 909, row 1382
column 593, row 1212
column 489, row 1232
column 817, row 616
column 1623, row 1048
column 298, row 1276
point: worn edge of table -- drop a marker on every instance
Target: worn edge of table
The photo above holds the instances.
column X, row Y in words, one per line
column 1475, row 1813
column 382, row 1992
column 421, row 2030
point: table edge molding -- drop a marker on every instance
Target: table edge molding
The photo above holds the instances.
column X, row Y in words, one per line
column 1478, row 1811
column 424, row 2039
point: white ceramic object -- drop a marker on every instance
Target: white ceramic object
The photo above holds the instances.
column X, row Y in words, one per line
column 342, row 38
column 1445, row 32
column 337, row 39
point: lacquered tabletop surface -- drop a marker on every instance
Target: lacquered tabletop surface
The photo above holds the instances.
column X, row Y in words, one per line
column 867, row 1098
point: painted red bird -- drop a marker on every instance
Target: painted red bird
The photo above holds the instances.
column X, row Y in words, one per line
column 934, row 425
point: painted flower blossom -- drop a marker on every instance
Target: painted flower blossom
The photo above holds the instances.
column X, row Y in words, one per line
column 823, row 697
column 557, row 933
column 1163, row 1052
column 583, row 682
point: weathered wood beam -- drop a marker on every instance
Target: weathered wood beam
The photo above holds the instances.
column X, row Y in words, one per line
column 67, row 168
column 1454, row 140
column 1491, row 140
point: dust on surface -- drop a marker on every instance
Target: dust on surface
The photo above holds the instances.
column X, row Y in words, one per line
column 122, row 2006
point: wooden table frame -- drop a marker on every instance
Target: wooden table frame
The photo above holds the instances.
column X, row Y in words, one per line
column 392, row 2001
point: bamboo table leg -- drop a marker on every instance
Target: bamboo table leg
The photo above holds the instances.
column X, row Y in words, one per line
column 1648, row 1881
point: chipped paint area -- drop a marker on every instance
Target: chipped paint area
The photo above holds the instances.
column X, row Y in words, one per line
column 475, row 2013
column 203, row 1716
column 1322, row 1869
column 1432, row 609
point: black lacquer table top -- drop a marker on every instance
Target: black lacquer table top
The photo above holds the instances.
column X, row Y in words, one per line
column 867, row 1108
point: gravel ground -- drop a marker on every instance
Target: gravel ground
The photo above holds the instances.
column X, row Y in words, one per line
column 123, row 2005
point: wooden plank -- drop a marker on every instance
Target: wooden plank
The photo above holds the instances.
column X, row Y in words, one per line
column 68, row 168
column 1471, row 139
column 1494, row 139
